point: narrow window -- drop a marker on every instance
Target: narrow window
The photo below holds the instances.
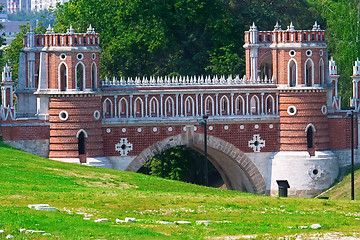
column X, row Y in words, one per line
column 292, row 73
column 81, row 143
column 309, row 135
column 93, row 76
column 80, row 77
column 308, row 73
column 63, row 78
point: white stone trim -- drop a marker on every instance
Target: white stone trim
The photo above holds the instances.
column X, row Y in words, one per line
column 97, row 114
column 291, row 110
column 81, row 130
column 63, row 115
column 310, row 125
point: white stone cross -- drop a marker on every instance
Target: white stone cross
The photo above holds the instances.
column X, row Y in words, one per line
column 124, row 147
column 256, row 143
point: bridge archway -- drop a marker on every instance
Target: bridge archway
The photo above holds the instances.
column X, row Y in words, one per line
column 236, row 169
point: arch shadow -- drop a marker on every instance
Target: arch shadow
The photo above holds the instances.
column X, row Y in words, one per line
column 236, row 169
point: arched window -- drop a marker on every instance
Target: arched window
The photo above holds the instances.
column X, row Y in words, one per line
column 321, row 72
column 270, row 105
column 224, row 105
column 80, row 76
column 310, row 129
column 266, row 68
column 107, row 108
column 239, row 105
column 209, row 106
column 81, row 136
column 292, row 73
column 154, row 107
column 309, row 72
column 169, row 107
column 138, row 107
column 93, row 76
column 123, row 108
column 254, row 105
column 189, row 106
column 63, row 77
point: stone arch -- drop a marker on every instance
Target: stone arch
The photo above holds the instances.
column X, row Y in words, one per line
column 189, row 107
column 236, row 169
column 224, row 105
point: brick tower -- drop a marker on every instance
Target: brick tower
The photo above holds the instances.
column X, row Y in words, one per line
column 296, row 61
column 64, row 71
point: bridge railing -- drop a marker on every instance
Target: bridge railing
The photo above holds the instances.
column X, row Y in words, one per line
column 186, row 81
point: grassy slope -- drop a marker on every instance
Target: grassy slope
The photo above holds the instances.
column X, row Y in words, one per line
column 27, row 179
column 343, row 189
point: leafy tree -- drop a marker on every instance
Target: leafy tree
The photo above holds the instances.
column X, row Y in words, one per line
column 12, row 52
column 156, row 37
column 342, row 20
column 182, row 164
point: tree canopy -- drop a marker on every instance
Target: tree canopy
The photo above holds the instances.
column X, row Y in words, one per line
column 176, row 37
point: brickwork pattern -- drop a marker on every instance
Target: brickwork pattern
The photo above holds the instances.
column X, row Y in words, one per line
column 63, row 139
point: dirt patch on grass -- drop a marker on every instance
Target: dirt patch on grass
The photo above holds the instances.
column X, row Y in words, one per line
column 91, row 179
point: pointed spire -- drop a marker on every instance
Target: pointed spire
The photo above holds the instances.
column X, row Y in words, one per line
column 356, row 68
column 49, row 30
column 332, row 67
column 277, row 26
column 253, row 27
column 316, row 27
column 90, row 30
column 291, row 27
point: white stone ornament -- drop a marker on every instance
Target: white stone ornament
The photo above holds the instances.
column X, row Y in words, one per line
column 256, row 143
column 108, row 130
column 154, row 129
column 242, row 127
column 226, row 127
column 315, row 172
column 124, row 147
column 211, row 128
column 170, row 129
column 123, row 130
column 139, row 130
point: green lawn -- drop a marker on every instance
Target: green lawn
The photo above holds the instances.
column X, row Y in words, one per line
column 105, row 193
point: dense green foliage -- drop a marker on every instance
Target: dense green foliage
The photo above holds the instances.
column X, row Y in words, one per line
column 181, row 164
column 156, row 37
column 343, row 32
column 105, row 193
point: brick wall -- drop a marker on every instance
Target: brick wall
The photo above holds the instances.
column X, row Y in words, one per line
column 63, row 139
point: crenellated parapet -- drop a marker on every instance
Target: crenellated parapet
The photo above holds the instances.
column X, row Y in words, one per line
column 289, row 35
column 68, row 39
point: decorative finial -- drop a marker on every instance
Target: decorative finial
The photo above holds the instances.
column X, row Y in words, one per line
column 291, row 27
column 356, row 68
column 49, row 30
column 70, row 30
column 277, row 26
column 90, row 30
column 332, row 67
column 316, row 27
